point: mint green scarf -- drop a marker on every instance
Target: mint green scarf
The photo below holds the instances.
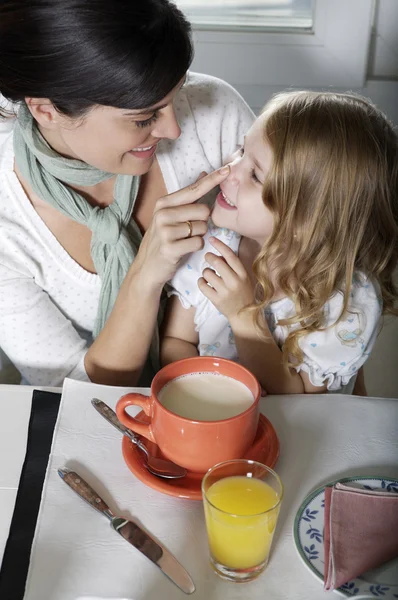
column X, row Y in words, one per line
column 115, row 236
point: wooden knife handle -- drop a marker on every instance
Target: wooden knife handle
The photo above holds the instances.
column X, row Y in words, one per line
column 84, row 490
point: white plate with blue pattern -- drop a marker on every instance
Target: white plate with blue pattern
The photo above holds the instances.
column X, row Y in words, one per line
column 308, row 536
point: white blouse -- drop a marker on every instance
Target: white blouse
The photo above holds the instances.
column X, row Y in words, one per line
column 48, row 302
column 333, row 355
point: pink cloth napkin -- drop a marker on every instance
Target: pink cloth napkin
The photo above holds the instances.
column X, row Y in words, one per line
column 360, row 533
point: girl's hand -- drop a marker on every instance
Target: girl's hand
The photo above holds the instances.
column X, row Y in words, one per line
column 177, row 228
column 231, row 289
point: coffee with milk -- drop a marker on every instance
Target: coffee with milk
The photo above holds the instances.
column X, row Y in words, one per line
column 206, row 396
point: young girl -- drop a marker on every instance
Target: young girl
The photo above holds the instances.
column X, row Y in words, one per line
column 298, row 262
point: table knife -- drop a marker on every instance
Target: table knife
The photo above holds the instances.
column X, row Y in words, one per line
column 132, row 533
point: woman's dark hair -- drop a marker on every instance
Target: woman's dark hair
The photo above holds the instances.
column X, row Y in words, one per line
column 79, row 53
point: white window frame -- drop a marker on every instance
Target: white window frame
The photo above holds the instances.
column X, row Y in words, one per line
column 334, row 54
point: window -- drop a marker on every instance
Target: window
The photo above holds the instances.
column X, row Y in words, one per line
column 254, row 14
column 333, row 52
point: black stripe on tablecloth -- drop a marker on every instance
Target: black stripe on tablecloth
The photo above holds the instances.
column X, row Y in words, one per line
column 15, row 565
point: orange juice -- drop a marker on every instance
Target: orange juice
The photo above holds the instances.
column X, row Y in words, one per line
column 240, row 532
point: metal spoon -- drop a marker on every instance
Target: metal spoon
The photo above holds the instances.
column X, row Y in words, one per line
column 157, row 466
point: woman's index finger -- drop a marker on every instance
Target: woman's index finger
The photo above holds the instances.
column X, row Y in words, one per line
column 195, row 190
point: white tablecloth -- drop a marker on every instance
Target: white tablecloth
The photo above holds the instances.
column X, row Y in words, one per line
column 321, row 438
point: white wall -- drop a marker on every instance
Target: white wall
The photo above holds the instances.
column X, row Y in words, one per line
column 382, row 368
column 381, row 57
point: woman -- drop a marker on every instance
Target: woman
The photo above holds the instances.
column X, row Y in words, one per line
column 109, row 128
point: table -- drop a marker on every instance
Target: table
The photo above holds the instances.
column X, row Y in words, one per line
column 322, row 438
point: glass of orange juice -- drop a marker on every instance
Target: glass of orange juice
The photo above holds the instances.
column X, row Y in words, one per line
column 241, row 499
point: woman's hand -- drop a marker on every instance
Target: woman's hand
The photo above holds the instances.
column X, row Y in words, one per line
column 230, row 289
column 177, row 228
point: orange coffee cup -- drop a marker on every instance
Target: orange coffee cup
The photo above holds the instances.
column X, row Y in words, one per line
column 195, row 445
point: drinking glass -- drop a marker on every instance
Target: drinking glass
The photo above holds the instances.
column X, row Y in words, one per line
column 241, row 500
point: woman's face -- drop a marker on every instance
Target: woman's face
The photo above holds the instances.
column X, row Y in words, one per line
column 116, row 140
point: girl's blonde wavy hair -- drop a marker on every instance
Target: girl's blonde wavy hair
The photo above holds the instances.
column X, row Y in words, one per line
column 332, row 189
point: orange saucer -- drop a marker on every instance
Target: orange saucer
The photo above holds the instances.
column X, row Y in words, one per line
column 265, row 449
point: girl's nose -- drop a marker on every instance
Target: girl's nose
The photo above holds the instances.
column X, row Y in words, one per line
column 233, row 177
column 167, row 125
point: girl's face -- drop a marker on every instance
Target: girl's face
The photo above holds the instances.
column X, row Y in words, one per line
column 116, row 140
column 239, row 205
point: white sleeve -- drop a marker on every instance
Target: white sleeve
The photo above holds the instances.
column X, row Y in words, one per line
column 335, row 355
column 184, row 284
column 38, row 339
column 214, row 119
column 222, row 116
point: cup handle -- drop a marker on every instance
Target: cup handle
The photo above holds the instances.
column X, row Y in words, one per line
column 136, row 400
